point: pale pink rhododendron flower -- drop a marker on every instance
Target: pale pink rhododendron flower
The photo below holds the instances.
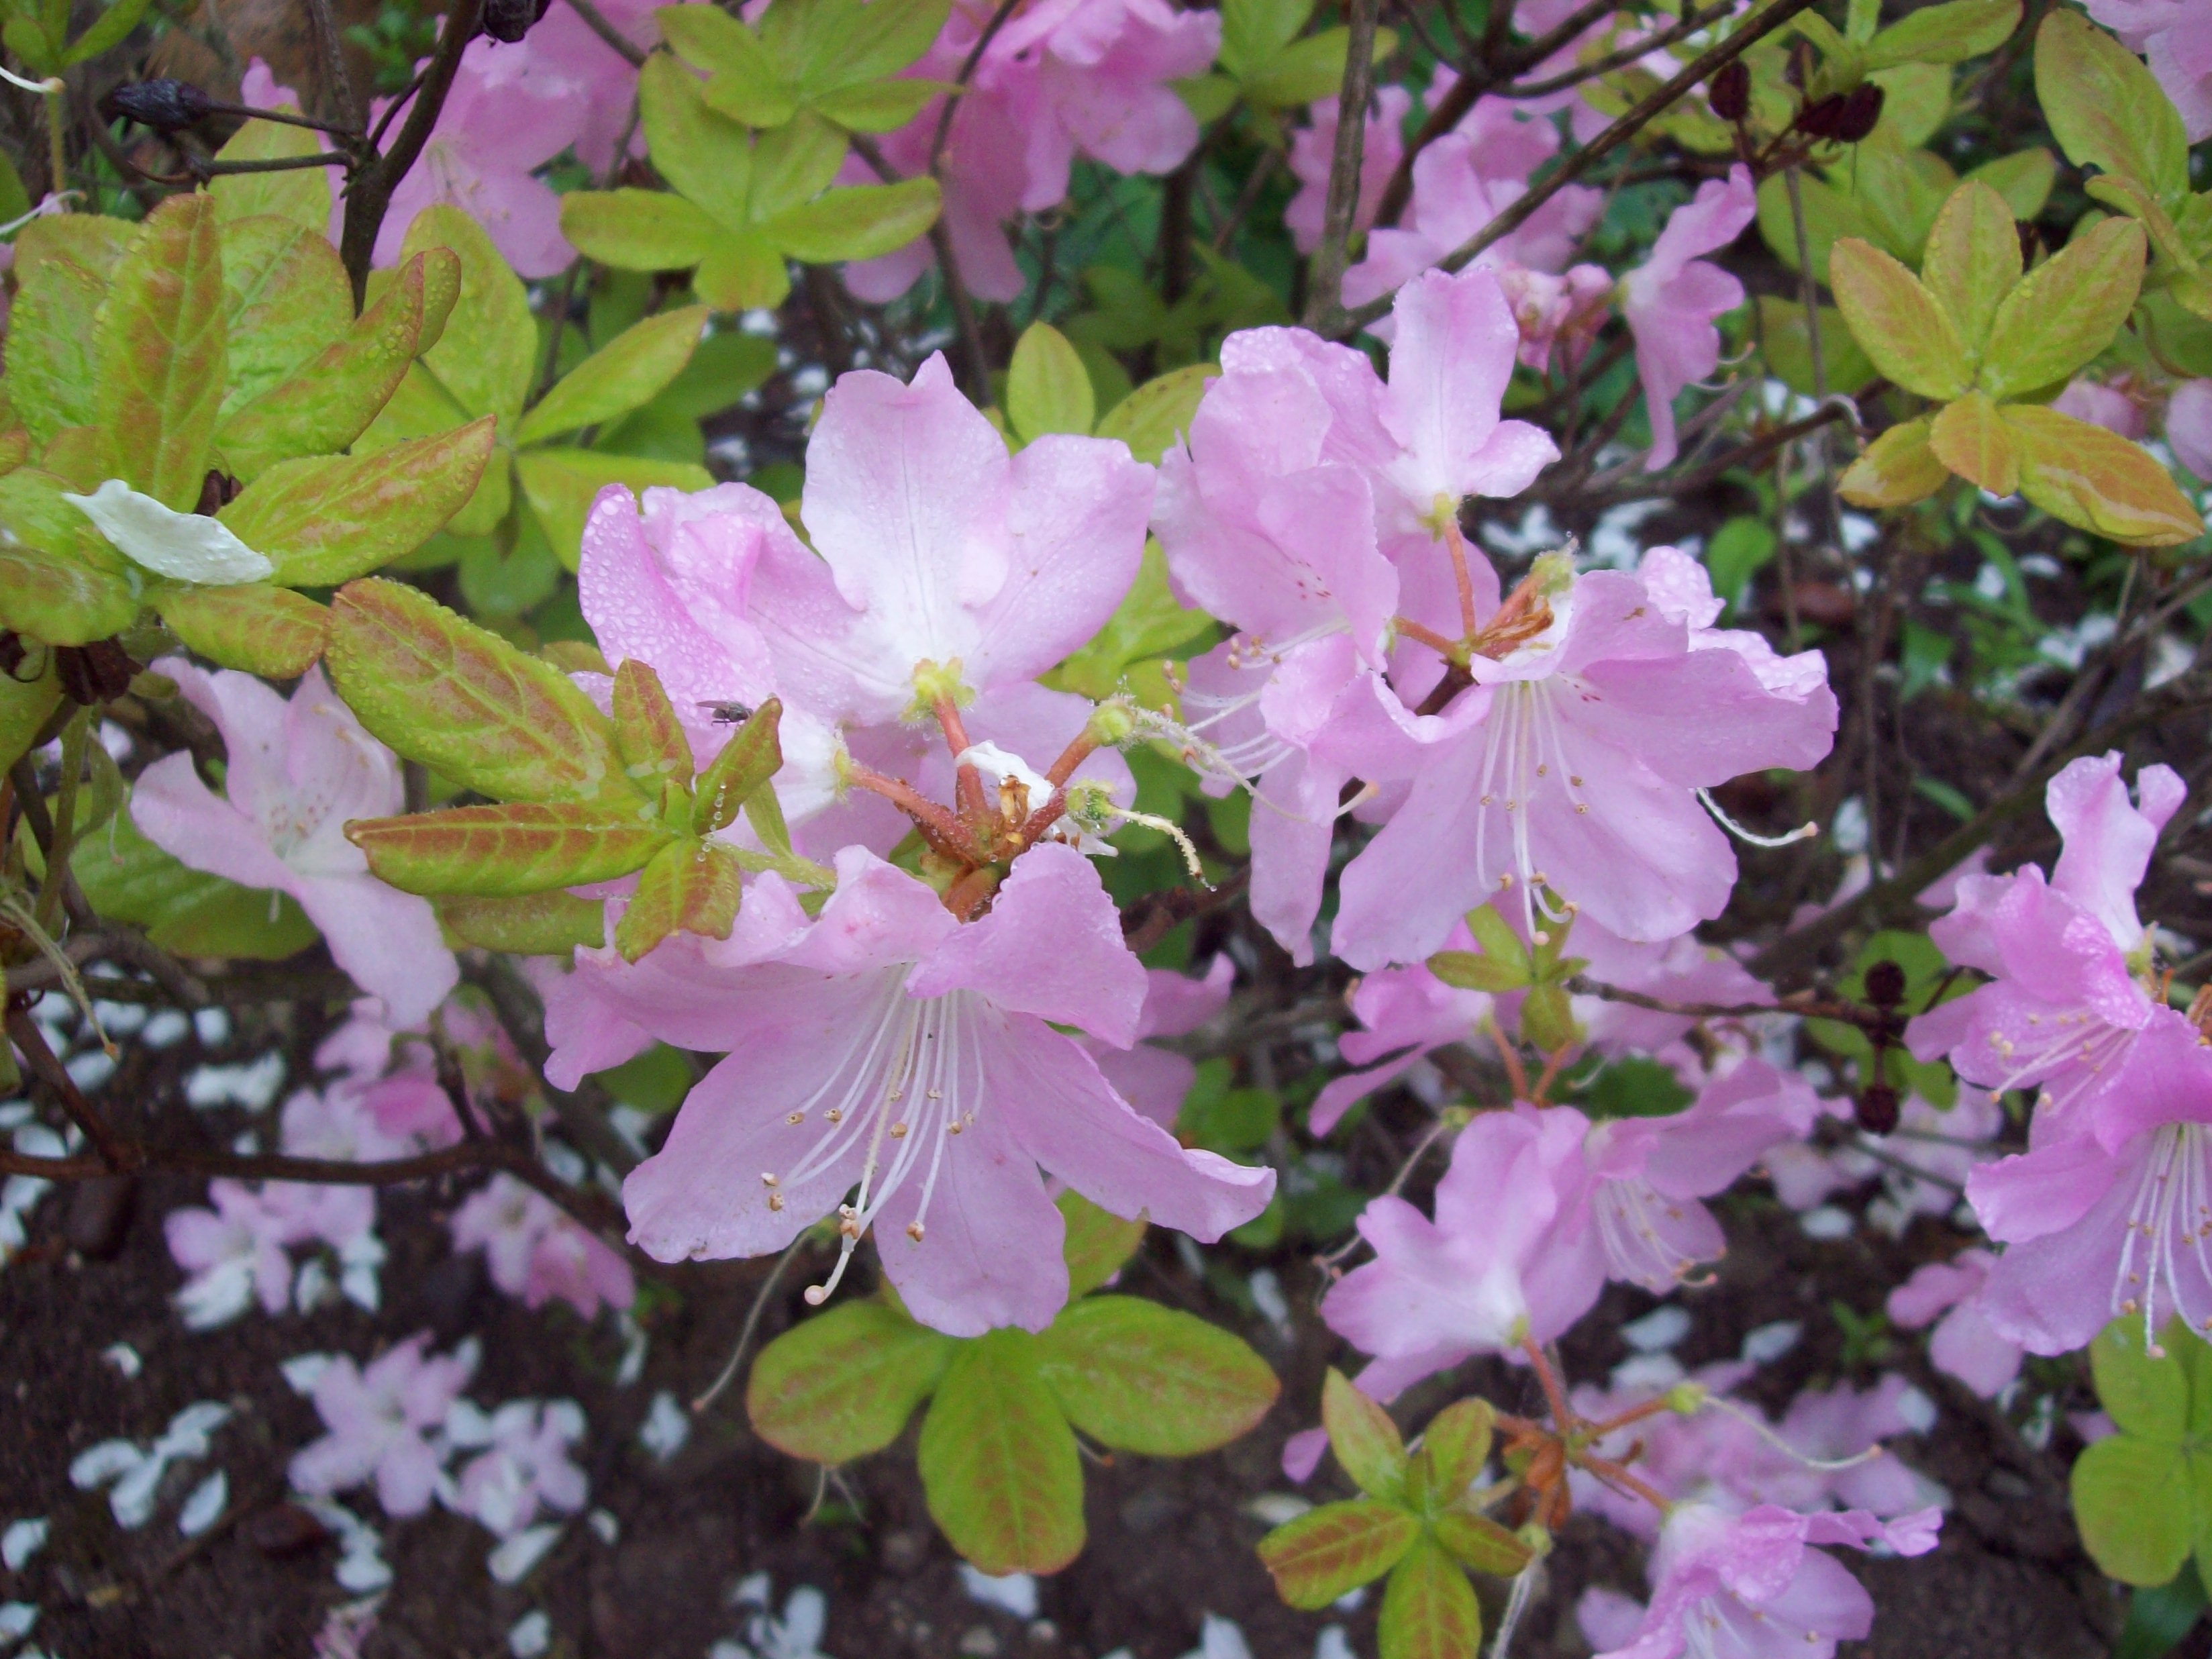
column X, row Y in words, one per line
column 1308, row 492
column 560, row 45
column 1060, row 77
column 1672, row 298
column 2188, row 426
column 524, row 1467
column 380, row 1420
column 2101, row 405
column 1313, row 154
column 237, row 1253
column 1405, row 1015
column 1752, row 1585
column 1964, row 1344
column 1152, row 1078
column 1617, row 707
column 297, row 771
column 887, row 1048
column 509, row 112
column 535, row 1251
column 2064, row 1003
column 2175, row 36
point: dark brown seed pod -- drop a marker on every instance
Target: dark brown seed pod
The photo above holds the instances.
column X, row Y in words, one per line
column 165, row 106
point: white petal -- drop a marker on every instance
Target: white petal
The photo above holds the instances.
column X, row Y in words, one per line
column 22, row 1541
column 302, row 1371
column 205, row 1506
column 531, row 1635
column 187, row 546
column 16, row 1619
column 513, row 1561
column 106, row 1461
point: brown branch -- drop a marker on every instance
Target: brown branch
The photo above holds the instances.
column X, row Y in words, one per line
column 1622, row 58
column 117, row 1153
column 1154, row 916
column 596, row 21
column 1801, row 1003
column 1346, row 324
column 938, row 139
column 1325, row 292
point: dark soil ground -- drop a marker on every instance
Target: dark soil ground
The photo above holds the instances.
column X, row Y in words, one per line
column 1169, row 1541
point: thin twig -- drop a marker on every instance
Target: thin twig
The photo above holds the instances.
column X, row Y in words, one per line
column 596, row 21
column 1325, row 292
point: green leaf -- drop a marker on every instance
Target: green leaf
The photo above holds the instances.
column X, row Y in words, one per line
column 999, row 1463
column 1149, row 623
column 2145, row 1396
column 1972, row 260
column 1948, row 33
column 1830, row 214
column 59, row 600
column 1478, row 1542
column 2133, row 1501
column 690, row 887
column 462, row 700
column 259, row 629
column 626, row 373
column 855, row 221
column 842, row 1384
column 1973, row 440
column 332, row 518
column 744, row 273
column 1138, row 1377
column 1365, row 1439
column 1336, row 1548
column 654, row 750
column 2106, row 109
column 560, row 483
column 26, row 705
column 284, row 294
column 508, row 850
column 93, row 240
column 1897, row 322
column 331, row 399
column 1456, row 1444
column 531, row 924
column 1900, row 467
column 1157, row 413
column 1254, row 31
column 753, row 755
column 842, row 43
column 53, row 377
column 1470, row 970
column 637, row 229
column 2065, row 311
column 488, row 351
column 2023, row 179
column 706, row 156
column 2098, row 481
column 125, row 877
column 161, row 352
column 1788, row 345
column 879, row 107
column 1048, row 388
column 1096, row 1243
column 301, row 195
column 1547, row 1019
column 1429, row 1609
column 747, row 84
column 104, row 33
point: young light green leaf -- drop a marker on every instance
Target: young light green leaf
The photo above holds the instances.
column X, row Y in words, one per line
column 705, row 156
column 1429, row 1609
column 301, row 195
column 847, row 43
column 879, row 107
column 1138, row 1377
column 746, row 84
column 1547, row 1019
column 332, row 518
column 552, row 924
column 637, row 229
column 1471, row 971
column 1898, row 468
column 1048, row 388
column 1149, row 623
column 647, row 730
column 2065, row 311
column 2023, row 178
column 2098, row 481
column 855, row 221
column 1096, row 1243
column 1946, row 34
column 1897, row 322
column 2145, row 1396
column 259, row 629
column 127, row 878
column 690, row 887
column 744, row 272
column 104, row 33
column 467, row 704
column 1457, row 1445
column 285, row 295
column 1330, row 1550
column 2106, row 109
column 1972, row 260
column 2134, row 1502
column 842, row 1384
column 162, row 353
column 1830, row 214
column 560, row 483
column 53, row 376
column 625, row 374
column 1365, row 1439
column 509, row 849
column 59, row 600
column 997, row 1460
column 753, row 755
column 1157, row 413
column 1481, row 1543
column 1971, row 439
column 488, row 349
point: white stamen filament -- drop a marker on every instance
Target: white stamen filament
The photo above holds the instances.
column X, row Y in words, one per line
column 1628, row 1227
column 2078, row 1038
column 1751, row 838
column 1525, row 752
column 2168, row 1224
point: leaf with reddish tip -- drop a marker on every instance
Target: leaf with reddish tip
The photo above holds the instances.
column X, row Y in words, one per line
column 2065, row 311
column 53, row 377
column 1481, row 1543
column 1429, row 1609
column 269, row 631
column 2105, row 108
column 1900, row 467
column 334, row 517
column 999, row 1463
column 550, row 924
column 1138, row 1377
column 1896, row 321
column 844, row 1384
column 467, row 704
column 652, row 740
column 1456, row 1443
column 1972, row 259
column 519, row 847
column 691, row 887
column 285, row 295
column 747, row 761
column 1336, row 1548
column 163, row 358
column 1971, row 438
column 59, row 601
column 1363, row 1437
column 2098, row 481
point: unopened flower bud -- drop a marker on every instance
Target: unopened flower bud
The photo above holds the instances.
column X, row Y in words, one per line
column 1111, row 723
column 1729, row 90
column 1845, row 117
column 1877, row 1108
column 510, row 20
column 1686, row 1399
column 164, row 105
